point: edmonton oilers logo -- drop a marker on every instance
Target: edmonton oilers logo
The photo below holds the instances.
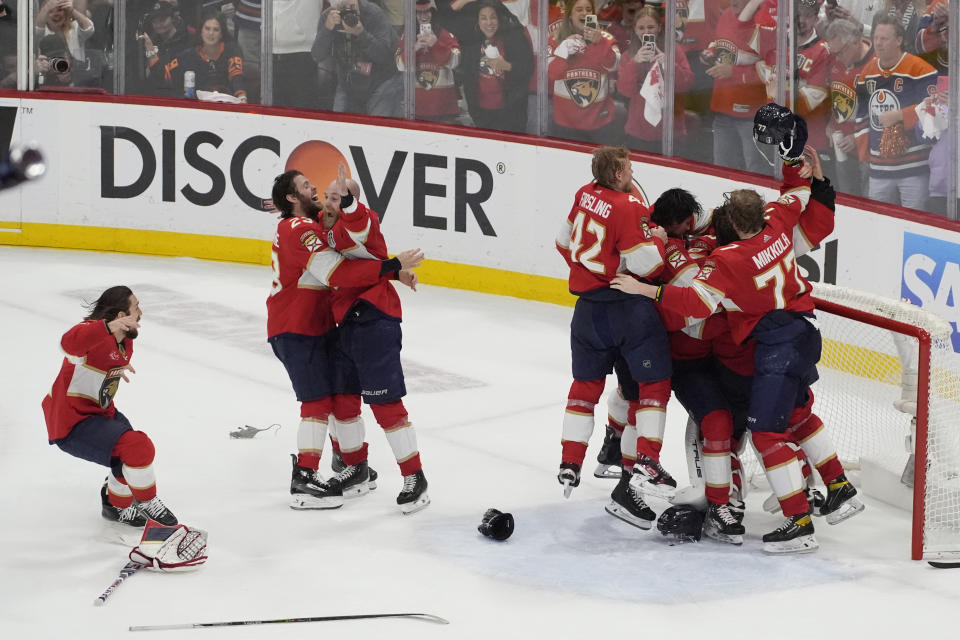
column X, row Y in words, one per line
column 882, row 101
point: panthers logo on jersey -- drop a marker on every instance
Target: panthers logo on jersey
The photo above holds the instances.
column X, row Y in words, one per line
column 109, row 387
column 583, row 86
column 427, row 78
column 726, row 51
column 844, row 102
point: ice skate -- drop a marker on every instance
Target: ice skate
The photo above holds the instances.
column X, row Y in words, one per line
column 353, row 481
column 413, row 496
column 795, row 535
column 609, row 458
column 649, row 478
column 158, row 512
column 627, row 504
column 841, row 502
column 309, row 490
column 723, row 525
column 337, row 465
column 569, row 477
column 129, row 516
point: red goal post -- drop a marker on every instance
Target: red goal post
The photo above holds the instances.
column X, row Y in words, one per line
column 886, row 365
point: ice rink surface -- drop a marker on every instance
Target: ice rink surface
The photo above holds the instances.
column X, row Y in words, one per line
column 487, row 379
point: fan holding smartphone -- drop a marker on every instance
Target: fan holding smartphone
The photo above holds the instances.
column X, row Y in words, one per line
column 642, row 82
column 437, row 55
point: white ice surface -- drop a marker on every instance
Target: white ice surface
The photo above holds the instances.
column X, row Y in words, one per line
column 487, row 378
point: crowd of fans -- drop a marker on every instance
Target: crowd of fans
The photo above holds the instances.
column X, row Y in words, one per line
column 870, row 76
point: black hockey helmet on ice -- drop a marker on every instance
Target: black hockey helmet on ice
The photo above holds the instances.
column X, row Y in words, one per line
column 496, row 524
column 682, row 523
column 773, row 124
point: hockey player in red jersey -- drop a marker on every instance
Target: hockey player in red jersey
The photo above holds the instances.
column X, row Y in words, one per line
column 301, row 328
column 769, row 302
column 606, row 226
column 370, row 339
column 83, row 420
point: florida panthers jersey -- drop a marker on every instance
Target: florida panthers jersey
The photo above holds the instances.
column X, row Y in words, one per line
column 581, row 84
column 754, row 276
column 357, row 236
column 606, row 232
column 304, row 267
column 93, row 365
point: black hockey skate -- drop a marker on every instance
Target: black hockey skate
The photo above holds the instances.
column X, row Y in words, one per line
column 569, row 477
column 353, row 481
column 310, row 491
column 627, row 504
column 158, row 512
column 795, row 535
column 650, row 478
column 721, row 523
column 129, row 516
column 841, row 502
column 337, row 465
column 610, row 458
column 413, row 496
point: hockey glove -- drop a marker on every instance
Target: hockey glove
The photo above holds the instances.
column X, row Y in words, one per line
column 496, row 524
column 822, row 191
column 163, row 548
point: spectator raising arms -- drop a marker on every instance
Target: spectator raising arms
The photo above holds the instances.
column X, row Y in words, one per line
column 641, row 74
column 58, row 17
column 437, row 55
column 217, row 64
column 582, row 57
column 496, row 70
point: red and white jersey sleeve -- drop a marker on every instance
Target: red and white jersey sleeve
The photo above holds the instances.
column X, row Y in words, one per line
column 89, row 378
column 607, row 232
column 358, row 236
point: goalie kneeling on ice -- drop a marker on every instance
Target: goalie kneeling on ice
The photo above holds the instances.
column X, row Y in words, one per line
column 177, row 548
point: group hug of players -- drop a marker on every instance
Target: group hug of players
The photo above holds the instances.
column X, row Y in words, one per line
column 713, row 307
column 333, row 320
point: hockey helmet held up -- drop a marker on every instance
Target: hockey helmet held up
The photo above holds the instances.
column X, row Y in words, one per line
column 496, row 524
column 683, row 523
column 772, row 124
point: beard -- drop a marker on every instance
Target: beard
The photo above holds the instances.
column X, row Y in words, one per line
column 310, row 207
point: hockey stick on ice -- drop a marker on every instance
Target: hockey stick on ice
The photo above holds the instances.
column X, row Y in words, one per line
column 128, row 570
column 426, row 617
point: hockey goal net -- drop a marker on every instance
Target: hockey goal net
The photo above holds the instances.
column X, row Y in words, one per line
column 889, row 392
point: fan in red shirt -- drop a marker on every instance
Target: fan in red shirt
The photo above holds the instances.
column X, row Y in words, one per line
column 83, row 421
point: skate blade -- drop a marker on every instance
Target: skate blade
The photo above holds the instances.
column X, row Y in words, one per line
column 124, row 534
column 567, row 489
column 419, row 504
column 646, row 488
column 723, row 537
column 607, row 471
column 357, row 491
column 622, row 514
column 306, row 502
column 803, row 544
column 845, row 511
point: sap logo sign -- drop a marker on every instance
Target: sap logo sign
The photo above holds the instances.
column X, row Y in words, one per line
column 931, row 278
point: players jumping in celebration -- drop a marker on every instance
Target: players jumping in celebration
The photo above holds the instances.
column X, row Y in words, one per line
column 83, row 421
column 608, row 226
column 769, row 302
column 301, row 329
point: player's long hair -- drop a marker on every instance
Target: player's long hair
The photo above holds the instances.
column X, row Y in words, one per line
column 282, row 187
column 110, row 303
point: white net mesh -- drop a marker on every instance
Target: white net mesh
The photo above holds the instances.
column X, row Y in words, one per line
column 867, row 397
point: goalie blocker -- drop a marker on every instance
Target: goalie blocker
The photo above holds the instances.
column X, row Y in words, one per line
column 177, row 548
